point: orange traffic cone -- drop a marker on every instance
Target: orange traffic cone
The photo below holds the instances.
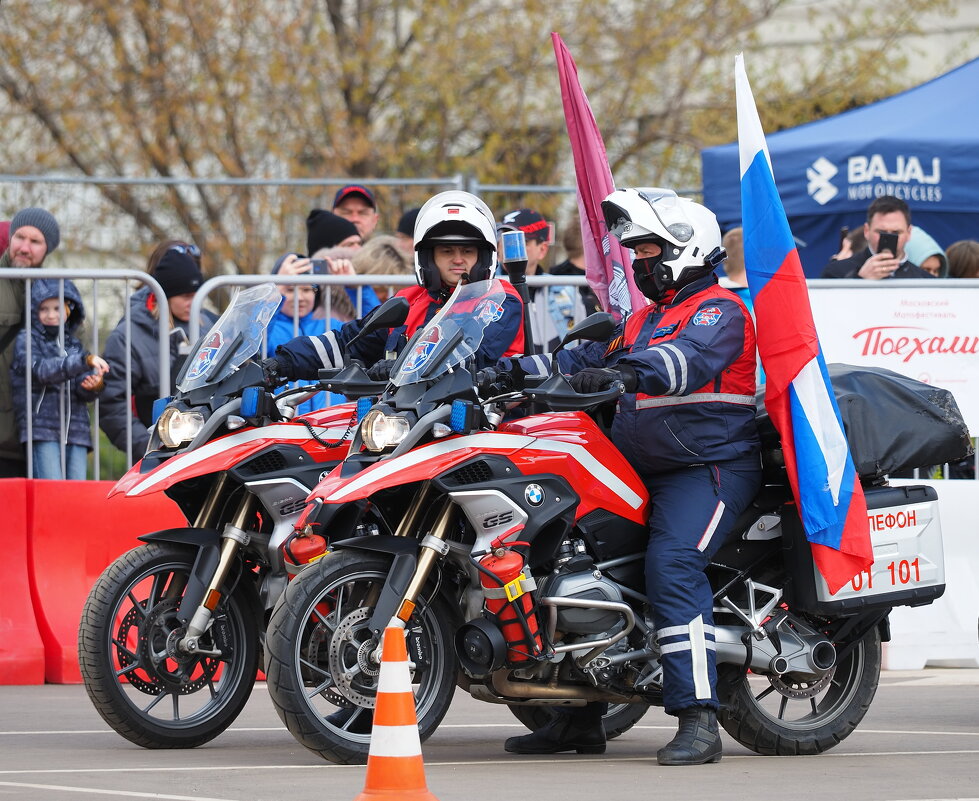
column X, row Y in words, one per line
column 394, row 763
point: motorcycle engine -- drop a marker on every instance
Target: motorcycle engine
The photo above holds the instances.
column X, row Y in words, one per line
column 581, row 585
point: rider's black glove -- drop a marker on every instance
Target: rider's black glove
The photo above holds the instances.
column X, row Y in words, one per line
column 510, row 374
column 596, row 379
column 380, row 371
column 272, row 372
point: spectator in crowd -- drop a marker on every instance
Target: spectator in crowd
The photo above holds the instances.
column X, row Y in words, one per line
column 331, row 241
column 33, row 234
column 852, row 242
column 456, row 236
column 963, row 259
column 125, row 421
column 537, row 233
column 887, row 215
column 64, row 379
column 574, row 263
column 735, row 278
column 406, row 232
column 324, row 229
column 356, row 203
column 382, row 255
column 296, row 317
column 924, row 251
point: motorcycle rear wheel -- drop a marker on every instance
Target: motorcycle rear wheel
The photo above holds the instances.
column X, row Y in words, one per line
column 139, row 684
column 796, row 716
column 320, row 665
column 617, row 720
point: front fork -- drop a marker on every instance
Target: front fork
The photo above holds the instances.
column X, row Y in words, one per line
column 408, row 575
column 233, row 538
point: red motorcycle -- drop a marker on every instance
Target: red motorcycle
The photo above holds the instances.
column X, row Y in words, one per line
column 513, row 554
column 171, row 634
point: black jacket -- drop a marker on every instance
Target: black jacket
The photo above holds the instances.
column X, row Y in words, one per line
column 848, row 268
column 144, row 380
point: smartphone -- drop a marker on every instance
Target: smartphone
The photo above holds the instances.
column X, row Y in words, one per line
column 887, row 242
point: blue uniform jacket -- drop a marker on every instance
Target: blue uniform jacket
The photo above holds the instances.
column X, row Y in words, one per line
column 304, row 356
column 694, row 359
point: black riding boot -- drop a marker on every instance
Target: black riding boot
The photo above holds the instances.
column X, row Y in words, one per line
column 697, row 741
column 579, row 729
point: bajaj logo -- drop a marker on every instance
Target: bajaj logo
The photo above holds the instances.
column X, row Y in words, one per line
column 819, row 187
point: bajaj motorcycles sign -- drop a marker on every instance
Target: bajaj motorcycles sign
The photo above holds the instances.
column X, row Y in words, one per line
column 907, row 177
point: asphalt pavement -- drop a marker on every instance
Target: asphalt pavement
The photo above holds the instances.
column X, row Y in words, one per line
column 920, row 740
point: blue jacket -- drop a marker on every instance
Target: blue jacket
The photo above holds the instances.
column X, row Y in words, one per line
column 304, row 356
column 694, row 358
column 57, row 370
column 281, row 330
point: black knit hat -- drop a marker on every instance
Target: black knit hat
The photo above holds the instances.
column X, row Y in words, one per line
column 406, row 225
column 324, row 229
column 178, row 273
column 42, row 220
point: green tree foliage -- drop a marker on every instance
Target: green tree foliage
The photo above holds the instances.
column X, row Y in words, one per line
column 374, row 88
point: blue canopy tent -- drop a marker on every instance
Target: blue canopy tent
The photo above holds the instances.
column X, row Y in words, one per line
column 921, row 145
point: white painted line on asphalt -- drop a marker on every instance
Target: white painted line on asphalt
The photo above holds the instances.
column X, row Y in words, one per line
column 122, row 793
column 511, row 761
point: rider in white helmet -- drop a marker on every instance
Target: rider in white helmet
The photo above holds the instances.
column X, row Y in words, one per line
column 687, row 425
column 455, row 240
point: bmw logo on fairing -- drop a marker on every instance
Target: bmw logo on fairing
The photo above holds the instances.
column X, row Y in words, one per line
column 534, row 494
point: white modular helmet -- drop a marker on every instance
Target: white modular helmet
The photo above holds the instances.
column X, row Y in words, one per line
column 687, row 232
column 453, row 218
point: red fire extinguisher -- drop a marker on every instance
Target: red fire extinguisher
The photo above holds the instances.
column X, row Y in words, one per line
column 508, row 593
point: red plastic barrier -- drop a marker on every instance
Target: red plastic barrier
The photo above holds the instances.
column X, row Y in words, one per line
column 75, row 532
column 21, row 648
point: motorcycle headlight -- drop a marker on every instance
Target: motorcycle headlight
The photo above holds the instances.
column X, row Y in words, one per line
column 176, row 426
column 382, row 431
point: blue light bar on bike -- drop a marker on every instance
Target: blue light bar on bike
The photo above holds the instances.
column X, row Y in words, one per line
column 461, row 419
column 159, row 405
column 363, row 407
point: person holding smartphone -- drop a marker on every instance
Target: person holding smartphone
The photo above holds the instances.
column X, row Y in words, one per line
column 887, row 231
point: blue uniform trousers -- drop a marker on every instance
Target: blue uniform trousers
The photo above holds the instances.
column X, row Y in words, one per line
column 693, row 510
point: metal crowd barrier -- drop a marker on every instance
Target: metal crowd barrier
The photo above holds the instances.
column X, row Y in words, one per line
column 92, row 316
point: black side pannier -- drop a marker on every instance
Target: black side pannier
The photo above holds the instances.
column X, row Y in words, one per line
column 892, row 422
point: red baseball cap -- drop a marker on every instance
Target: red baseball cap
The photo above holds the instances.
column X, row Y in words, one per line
column 354, row 189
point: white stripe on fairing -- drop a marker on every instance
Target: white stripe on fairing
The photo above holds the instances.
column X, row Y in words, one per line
column 395, row 741
column 711, row 527
column 681, row 361
column 698, row 658
column 384, row 469
column 281, row 433
column 493, row 440
column 395, row 680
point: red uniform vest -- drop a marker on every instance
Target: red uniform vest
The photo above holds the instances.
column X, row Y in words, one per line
column 735, row 384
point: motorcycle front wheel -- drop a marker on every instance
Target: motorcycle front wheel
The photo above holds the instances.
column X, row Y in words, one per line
column 798, row 715
column 141, row 685
column 322, row 658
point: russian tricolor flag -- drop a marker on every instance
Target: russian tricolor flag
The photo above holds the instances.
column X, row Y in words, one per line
column 798, row 394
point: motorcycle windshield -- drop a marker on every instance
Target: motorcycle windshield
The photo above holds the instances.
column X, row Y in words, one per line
column 233, row 339
column 453, row 335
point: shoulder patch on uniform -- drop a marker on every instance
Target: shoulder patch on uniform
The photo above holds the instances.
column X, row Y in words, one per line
column 707, row 316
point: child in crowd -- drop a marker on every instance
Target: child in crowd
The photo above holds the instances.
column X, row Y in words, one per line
column 64, row 378
column 296, row 317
